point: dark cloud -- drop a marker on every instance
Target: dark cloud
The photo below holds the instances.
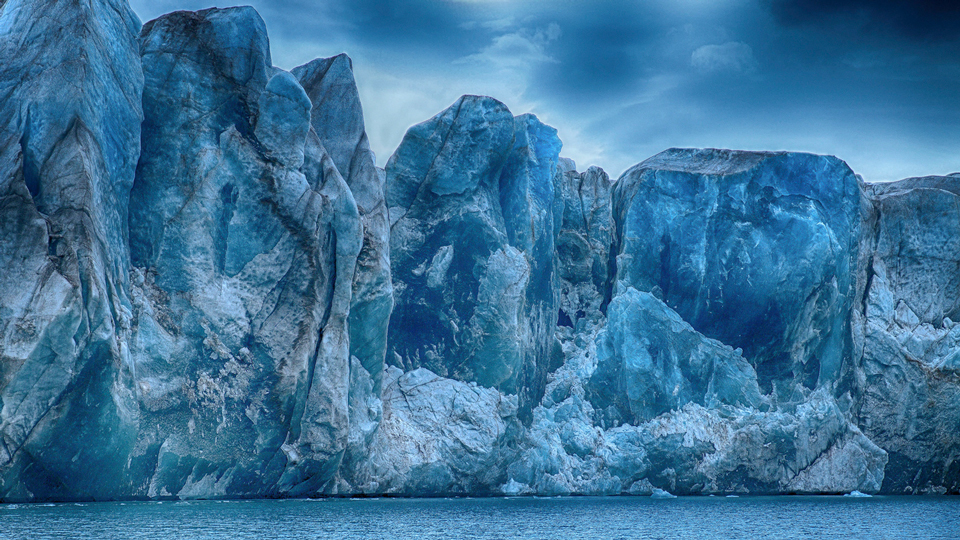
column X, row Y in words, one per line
column 604, row 30
column 417, row 30
column 596, row 58
column 426, row 25
column 922, row 20
column 873, row 82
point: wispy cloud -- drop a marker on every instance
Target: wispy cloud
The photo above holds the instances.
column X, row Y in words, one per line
column 497, row 25
column 732, row 56
column 520, row 50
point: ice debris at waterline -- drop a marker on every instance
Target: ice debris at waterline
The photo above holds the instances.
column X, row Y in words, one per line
column 210, row 290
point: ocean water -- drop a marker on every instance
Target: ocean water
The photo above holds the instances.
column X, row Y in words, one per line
column 518, row 518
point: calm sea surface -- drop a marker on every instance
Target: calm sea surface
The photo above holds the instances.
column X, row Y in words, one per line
column 574, row 518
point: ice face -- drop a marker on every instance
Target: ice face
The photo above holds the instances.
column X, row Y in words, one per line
column 210, row 290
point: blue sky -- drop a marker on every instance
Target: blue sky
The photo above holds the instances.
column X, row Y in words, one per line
column 876, row 83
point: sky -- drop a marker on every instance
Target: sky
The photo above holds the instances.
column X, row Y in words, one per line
column 875, row 83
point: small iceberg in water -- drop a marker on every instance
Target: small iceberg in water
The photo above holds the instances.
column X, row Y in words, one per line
column 856, row 493
column 514, row 488
column 662, row 494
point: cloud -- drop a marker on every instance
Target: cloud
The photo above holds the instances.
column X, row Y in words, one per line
column 873, row 82
column 732, row 56
column 918, row 20
column 496, row 25
column 519, row 50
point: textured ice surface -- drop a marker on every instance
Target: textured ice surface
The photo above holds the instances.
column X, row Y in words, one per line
column 909, row 370
column 472, row 204
column 70, row 83
column 210, row 290
column 757, row 250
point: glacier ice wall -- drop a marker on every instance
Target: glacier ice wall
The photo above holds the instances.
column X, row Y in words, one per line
column 70, row 116
column 210, row 290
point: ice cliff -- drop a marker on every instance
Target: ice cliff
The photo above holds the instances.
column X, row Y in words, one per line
column 208, row 289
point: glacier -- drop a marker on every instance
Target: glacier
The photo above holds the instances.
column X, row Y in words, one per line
column 209, row 290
